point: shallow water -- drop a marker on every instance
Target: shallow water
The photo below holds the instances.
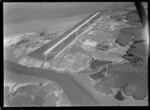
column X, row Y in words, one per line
column 21, row 18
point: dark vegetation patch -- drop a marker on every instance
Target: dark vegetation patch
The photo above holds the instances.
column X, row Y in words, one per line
column 98, row 75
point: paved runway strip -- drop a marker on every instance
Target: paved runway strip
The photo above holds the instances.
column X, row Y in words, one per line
column 59, row 44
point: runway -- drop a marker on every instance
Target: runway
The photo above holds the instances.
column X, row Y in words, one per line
column 54, row 47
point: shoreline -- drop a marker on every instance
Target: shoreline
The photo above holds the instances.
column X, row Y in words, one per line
column 33, row 26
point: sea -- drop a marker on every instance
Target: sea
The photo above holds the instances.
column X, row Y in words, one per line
column 30, row 17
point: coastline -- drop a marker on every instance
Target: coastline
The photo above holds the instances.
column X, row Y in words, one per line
column 32, row 26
